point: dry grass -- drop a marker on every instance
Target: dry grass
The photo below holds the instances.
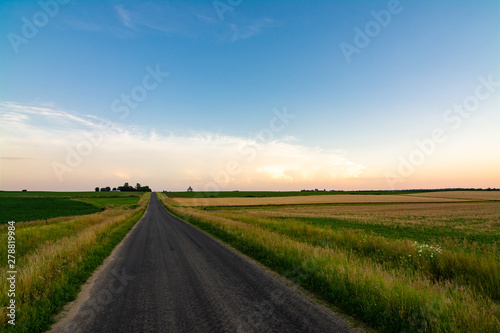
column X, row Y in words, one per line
column 42, row 271
column 483, row 217
column 309, row 200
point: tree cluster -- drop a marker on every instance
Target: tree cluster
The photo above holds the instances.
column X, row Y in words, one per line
column 125, row 188
column 104, row 189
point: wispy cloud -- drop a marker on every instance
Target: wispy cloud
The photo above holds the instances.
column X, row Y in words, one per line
column 16, row 113
column 163, row 160
column 124, row 16
column 187, row 19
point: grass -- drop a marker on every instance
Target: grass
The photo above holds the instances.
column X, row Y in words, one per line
column 103, row 202
column 405, row 267
column 54, row 258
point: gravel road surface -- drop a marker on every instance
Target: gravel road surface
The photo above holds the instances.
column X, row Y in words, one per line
column 168, row 276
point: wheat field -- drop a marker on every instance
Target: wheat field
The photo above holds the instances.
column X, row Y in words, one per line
column 429, row 265
column 315, row 199
column 464, row 195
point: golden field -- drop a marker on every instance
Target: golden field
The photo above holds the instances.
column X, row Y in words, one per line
column 464, row 195
column 401, row 263
column 313, row 200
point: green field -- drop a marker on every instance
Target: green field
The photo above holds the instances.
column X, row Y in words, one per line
column 29, row 209
column 31, row 206
column 68, row 194
column 114, row 201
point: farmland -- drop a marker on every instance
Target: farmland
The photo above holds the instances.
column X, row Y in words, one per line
column 310, row 200
column 399, row 265
column 30, row 206
column 47, row 194
column 55, row 255
column 265, row 194
column 28, row 209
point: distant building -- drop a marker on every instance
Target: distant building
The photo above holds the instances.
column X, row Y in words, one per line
column 190, row 189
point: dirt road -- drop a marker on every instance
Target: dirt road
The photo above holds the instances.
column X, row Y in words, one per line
column 168, row 276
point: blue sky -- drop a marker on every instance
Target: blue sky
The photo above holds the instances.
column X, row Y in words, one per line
column 229, row 71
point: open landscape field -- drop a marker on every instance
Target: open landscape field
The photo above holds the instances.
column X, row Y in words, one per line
column 30, row 206
column 426, row 262
column 339, row 198
column 466, row 195
column 266, row 194
column 64, row 238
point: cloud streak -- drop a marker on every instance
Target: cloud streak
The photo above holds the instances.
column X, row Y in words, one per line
column 189, row 20
column 163, row 161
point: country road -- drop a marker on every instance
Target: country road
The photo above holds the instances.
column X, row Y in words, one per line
column 168, row 276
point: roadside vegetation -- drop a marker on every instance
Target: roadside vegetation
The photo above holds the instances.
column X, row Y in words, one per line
column 55, row 256
column 407, row 267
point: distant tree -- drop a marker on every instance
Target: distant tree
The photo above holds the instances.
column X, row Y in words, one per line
column 97, row 189
column 108, row 188
column 144, row 189
column 126, row 188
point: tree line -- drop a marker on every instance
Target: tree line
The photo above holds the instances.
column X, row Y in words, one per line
column 125, row 188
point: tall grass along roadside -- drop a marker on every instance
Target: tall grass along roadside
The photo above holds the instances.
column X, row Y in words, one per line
column 63, row 254
column 394, row 285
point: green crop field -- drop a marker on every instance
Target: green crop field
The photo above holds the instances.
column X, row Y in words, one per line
column 115, row 201
column 28, row 209
column 68, row 194
column 31, row 206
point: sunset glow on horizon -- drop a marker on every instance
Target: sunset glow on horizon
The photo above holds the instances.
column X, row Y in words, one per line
column 262, row 97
